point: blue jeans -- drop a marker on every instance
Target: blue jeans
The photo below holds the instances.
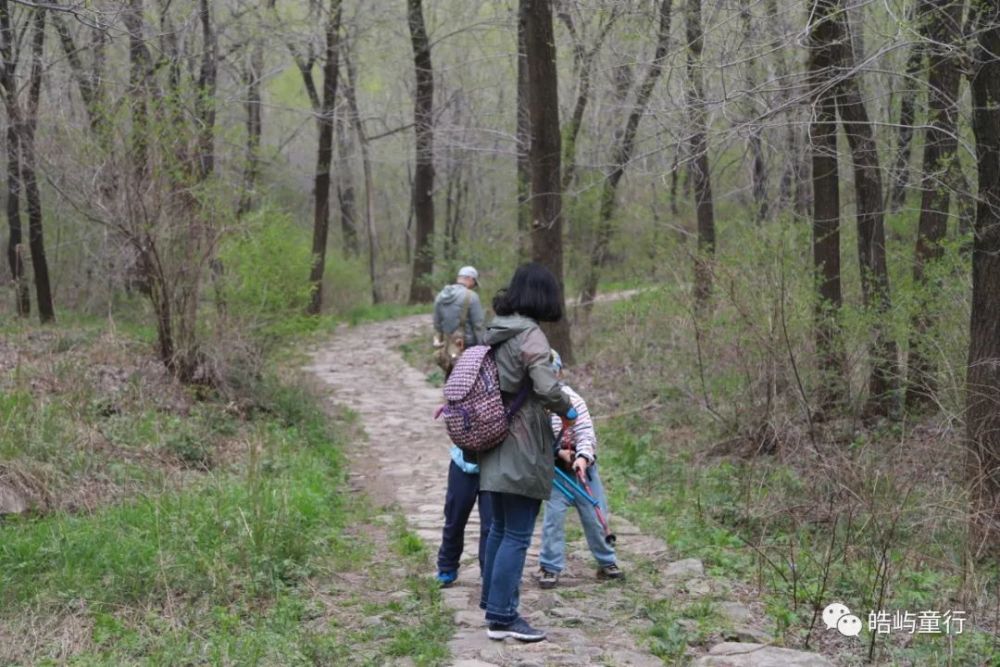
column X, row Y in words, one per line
column 513, row 522
column 552, row 556
column 463, row 490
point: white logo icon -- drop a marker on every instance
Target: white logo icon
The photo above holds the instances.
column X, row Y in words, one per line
column 838, row 616
column 849, row 625
column 832, row 614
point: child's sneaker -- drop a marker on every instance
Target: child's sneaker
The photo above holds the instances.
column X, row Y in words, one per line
column 610, row 572
column 446, row 579
column 547, row 578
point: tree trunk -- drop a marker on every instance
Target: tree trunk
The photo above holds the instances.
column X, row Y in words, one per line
column 523, row 145
column 139, row 72
column 345, row 191
column 826, row 206
column 366, row 166
column 871, row 250
column 15, row 243
column 423, row 175
column 790, row 183
column 251, row 169
column 33, row 199
column 899, row 177
column 546, row 196
column 205, row 101
column 870, row 223
column 324, row 158
column 622, row 156
column 943, row 20
column 758, row 167
column 699, row 152
column 983, row 380
column 674, row 172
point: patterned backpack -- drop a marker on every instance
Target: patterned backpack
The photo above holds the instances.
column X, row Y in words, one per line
column 475, row 416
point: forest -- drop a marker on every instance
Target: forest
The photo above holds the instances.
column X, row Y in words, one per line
column 775, row 224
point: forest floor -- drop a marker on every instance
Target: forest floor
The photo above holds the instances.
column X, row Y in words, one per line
column 402, row 463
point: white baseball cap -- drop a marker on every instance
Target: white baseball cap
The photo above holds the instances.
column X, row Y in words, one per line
column 469, row 272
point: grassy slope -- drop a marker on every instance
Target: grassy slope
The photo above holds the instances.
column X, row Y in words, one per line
column 799, row 534
column 176, row 531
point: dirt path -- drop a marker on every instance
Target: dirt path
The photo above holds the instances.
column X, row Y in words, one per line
column 589, row 622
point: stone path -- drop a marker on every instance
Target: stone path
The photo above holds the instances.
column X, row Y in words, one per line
column 588, row 622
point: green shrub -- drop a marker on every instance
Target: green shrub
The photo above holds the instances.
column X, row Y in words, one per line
column 266, row 271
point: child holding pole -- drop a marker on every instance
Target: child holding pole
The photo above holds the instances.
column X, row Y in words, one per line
column 580, row 459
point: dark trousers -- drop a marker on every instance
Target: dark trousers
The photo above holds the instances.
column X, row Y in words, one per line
column 463, row 490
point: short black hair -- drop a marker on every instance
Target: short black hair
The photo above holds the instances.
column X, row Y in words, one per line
column 533, row 292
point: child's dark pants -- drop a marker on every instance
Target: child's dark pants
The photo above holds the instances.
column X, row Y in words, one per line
column 463, row 489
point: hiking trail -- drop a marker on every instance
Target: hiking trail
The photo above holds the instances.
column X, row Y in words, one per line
column 589, row 622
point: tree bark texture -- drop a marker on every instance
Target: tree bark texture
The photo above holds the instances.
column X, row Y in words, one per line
column 704, row 206
column 870, row 217
column 523, row 145
column 982, row 415
column 899, row 177
column 33, row 198
column 546, row 195
column 324, row 158
column 943, row 20
column 826, row 205
column 423, row 173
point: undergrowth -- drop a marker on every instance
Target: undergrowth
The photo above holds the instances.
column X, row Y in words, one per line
column 711, row 438
column 170, row 526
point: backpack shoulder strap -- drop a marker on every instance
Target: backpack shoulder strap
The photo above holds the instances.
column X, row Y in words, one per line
column 519, row 399
column 464, row 316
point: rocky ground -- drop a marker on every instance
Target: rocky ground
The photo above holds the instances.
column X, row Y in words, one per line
column 404, row 462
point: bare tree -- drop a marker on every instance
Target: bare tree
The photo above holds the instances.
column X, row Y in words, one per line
column 32, row 197
column 8, row 82
column 826, row 200
column 899, row 177
column 944, row 30
column 523, row 163
column 983, row 380
column 90, row 84
column 366, row 165
column 324, row 109
column 622, row 155
column 704, row 205
column 860, row 133
column 758, row 167
column 253, row 74
column 583, row 63
column 791, row 185
column 345, row 189
column 423, row 173
column 546, row 195
column 22, row 122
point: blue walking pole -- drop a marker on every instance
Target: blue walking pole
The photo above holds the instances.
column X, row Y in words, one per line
column 563, row 478
column 569, row 486
column 566, row 492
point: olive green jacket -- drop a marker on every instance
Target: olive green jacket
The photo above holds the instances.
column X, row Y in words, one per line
column 523, row 463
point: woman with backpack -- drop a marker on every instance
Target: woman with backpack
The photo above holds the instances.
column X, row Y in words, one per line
column 518, row 473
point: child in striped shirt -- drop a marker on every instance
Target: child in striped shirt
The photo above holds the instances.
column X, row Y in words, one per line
column 583, row 458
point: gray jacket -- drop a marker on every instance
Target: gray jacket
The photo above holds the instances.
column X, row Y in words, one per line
column 448, row 311
column 523, row 464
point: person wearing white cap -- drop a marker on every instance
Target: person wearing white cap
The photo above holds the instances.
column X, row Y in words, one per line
column 459, row 323
column 457, row 309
